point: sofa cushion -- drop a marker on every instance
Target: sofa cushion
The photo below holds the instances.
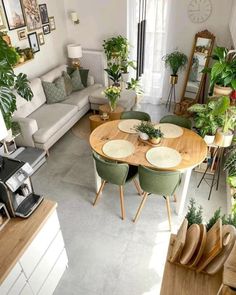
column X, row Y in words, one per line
column 68, row 83
column 83, row 74
column 76, row 81
column 53, row 74
column 55, row 91
column 50, row 118
column 25, row 108
column 81, row 98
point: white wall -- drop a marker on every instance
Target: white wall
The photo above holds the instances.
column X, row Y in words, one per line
column 99, row 19
column 52, row 52
column 181, row 31
column 232, row 24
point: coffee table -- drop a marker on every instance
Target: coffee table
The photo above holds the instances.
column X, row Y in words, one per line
column 115, row 115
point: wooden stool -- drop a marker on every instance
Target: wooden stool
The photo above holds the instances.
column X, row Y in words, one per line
column 95, row 121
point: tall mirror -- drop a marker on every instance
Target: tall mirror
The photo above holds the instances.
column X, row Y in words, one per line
column 195, row 82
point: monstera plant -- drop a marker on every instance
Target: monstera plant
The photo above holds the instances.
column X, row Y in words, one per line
column 10, row 83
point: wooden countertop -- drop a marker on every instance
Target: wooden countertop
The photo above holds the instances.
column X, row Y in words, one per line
column 17, row 235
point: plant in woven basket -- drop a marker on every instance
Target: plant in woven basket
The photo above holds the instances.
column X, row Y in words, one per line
column 194, row 214
column 112, row 93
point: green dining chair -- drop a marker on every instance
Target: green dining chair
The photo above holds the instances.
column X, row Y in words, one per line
column 177, row 120
column 136, row 115
column 162, row 183
column 115, row 173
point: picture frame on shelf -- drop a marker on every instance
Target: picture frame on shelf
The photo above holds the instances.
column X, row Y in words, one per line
column 46, row 29
column 32, row 14
column 44, row 13
column 33, row 42
column 2, row 19
column 52, row 23
column 41, row 39
column 14, row 14
column 22, row 34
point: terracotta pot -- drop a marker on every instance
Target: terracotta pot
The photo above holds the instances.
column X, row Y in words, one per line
column 222, row 91
column 209, row 139
column 143, row 135
column 155, row 140
column 173, row 79
column 223, row 139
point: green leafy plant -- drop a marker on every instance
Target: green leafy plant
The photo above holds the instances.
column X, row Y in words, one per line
column 134, row 84
column 229, row 116
column 155, row 133
column 9, row 82
column 116, row 47
column 226, row 219
column 230, row 165
column 223, row 71
column 176, row 61
column 114, row 73
column 214, row 219
column 144, row 127
column 194, row 214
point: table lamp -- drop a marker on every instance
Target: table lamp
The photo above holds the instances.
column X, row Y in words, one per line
column 74, row 54
column 3, row 133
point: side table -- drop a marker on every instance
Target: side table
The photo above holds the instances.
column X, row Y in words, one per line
column 95, row 121
column 105, row 108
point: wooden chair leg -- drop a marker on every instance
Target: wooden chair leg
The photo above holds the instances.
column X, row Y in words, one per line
column 140, row 207
column 122, row 202
column 99, row 192
column 168, row 210
column 138, row 188
column 175, row 198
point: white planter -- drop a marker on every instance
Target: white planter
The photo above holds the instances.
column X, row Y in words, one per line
column 143, row 136
column 209, row 139
column 125, row 77
column 223, row 139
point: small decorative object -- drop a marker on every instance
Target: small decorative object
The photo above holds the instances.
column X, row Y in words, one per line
column 44, row 13
column 41, row 39
column 46, row 29
column 32, row 15
column 4, row 216
column 52, row 23
column 2, row 20
column 33, row 41
column 14, row 14
column 199, row 10
column 74, row 54
column 104, row 116
column 176, row 61
column 22, row 34
column 75, row 18
column 155, row 136
column 28, row 53
column 6, row 38
column 143, row 129
column 112, row 93
column 21, row 54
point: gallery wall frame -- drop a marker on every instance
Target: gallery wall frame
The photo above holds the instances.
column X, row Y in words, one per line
column 11, row 9
column 33, row 42
column 44, row 13
column 32, row 15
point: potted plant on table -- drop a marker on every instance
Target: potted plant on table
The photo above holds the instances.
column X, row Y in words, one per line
column 223, row 72
column 112, row 93
column 144, row 129
column 9, row 82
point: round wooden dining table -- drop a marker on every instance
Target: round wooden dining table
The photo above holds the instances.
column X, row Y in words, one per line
column 191, row 146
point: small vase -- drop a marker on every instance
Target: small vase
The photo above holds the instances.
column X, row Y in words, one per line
column 143, row 135
column 155, row 140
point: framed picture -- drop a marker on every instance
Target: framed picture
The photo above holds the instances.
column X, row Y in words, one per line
column 33, row 41
column 22, row 34
column 41, row 39
column 52, row 23
column 2, row 20
column 46, row 29
column 32, row 15
column 14, row 14
column 43, row 13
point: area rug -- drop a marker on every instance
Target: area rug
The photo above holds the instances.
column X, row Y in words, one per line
column 82, row 128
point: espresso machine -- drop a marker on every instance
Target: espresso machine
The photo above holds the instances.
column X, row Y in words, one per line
column 16, row 190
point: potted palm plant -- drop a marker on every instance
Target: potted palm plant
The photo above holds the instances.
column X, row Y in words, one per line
column 223, row 72
column 114, row 73
column 11, row 83
column 175, row 61
column 112, row 93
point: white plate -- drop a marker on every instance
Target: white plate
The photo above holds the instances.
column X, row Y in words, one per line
column 118, row 148
column 170, row 130
column 129, row 125
column 163, row 157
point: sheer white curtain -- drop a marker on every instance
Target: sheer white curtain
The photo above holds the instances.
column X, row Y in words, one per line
column 155, row 45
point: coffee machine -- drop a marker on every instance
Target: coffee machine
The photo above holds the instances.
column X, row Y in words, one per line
column 16, row 190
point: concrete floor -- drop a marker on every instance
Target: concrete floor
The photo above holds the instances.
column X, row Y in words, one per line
column 108, row 256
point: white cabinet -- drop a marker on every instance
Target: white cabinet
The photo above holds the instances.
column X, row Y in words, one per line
column 41, row 266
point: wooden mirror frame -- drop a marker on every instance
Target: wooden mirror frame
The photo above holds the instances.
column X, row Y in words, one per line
column 185, row 102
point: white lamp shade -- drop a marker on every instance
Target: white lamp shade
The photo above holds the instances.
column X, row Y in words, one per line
column 74, row 16
column 74, row 50
column 3, row 129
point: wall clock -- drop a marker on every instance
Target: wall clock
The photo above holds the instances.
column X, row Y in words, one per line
column 199, row 10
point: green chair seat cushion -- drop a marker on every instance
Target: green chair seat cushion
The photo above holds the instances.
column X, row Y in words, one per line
column 136, row 115
column 177, row 120
column 55, row 91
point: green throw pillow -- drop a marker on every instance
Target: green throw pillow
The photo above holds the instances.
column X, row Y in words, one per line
column 68, row 83
column 76, row 81
column 55, row 91
column 84, row 76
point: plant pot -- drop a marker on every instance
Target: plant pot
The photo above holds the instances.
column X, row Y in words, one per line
column 143, row 135
column 222, row 91
column 125, row 77
column 223, row 139
column 173, row 79
column 209, row 139
column 155, row 140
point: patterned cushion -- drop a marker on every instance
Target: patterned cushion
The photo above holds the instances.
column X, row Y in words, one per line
column 84, row 76
column 55, row 91
column 76, row 81
column 68, row 83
